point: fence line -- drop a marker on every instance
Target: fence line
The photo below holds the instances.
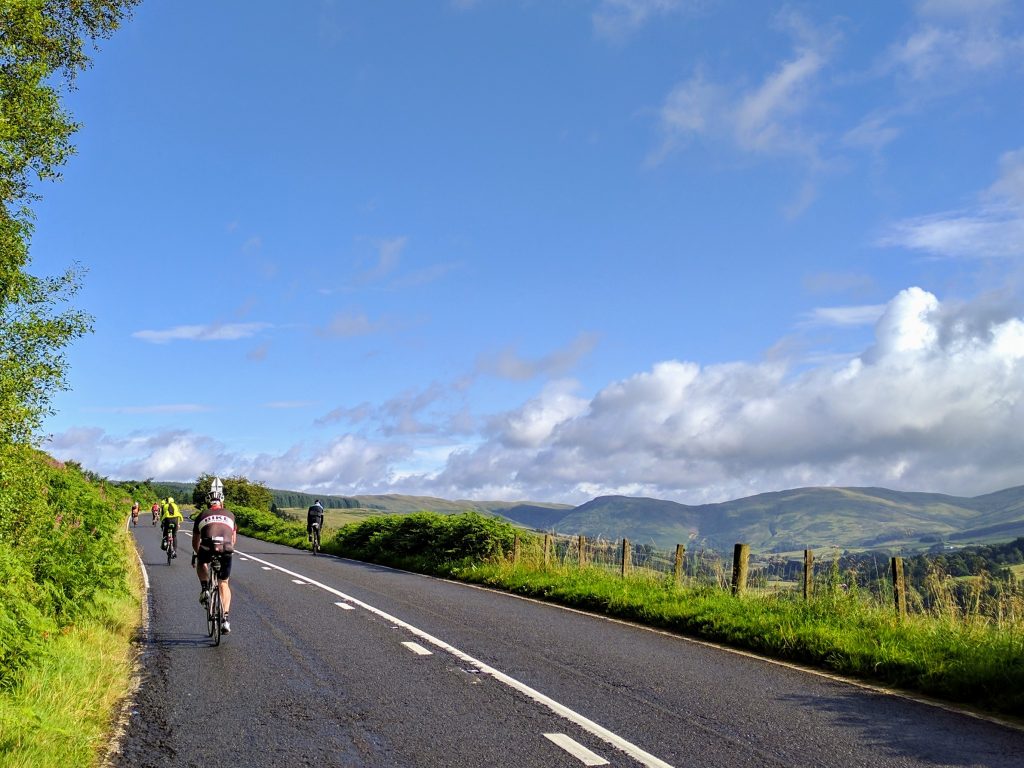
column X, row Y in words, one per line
column 762, row 574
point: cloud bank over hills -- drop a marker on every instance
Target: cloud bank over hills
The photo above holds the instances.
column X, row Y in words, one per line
column 933, row 403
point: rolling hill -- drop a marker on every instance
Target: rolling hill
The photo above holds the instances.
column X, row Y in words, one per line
column 816, row 518
column 784, row 521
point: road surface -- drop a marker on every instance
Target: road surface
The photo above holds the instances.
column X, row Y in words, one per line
column 337, row 663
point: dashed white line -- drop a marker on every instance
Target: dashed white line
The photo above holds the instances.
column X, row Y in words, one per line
column 642, row 757
column 299, row 581
column 418, row 649
column 343, row 606
column 267, row 568
column 576, row 749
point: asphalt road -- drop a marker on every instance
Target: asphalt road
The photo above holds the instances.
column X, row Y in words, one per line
column 337, row 663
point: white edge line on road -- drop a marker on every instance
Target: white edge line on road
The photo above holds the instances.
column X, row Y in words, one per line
column 418, row 649
column 644, row 758
column 576, row 749
column 956, row 709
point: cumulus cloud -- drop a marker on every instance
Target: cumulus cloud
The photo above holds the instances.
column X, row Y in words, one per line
column 345, row 464
column 213, row 332
column 933, row 403
column 993, row 228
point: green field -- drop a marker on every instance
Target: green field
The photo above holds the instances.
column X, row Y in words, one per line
column 333, row 518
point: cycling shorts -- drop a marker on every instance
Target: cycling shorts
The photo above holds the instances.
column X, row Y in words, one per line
column 207, row 549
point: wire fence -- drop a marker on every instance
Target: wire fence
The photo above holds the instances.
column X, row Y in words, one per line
column 880, row 581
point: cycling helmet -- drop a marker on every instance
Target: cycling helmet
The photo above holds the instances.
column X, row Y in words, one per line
column 170, row 500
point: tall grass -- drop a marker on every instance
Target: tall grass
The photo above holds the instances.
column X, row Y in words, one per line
column 69, row 604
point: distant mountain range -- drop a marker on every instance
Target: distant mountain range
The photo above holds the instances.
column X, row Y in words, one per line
column 784, row 522
column 853, row 519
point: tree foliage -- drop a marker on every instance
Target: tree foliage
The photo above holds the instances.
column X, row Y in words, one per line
column 238, row 491
column 42, row 42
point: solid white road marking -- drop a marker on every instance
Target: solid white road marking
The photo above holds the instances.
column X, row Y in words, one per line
column 642, row 757
column 418, row 649
column 298, row 581
column 267, row 568
column 576, row 749
column 343, row 606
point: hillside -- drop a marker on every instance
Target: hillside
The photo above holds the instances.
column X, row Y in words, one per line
column 854, row 519
column 817, row 518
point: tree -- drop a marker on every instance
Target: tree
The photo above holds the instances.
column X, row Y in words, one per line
column 41, row 42
column 238, row 491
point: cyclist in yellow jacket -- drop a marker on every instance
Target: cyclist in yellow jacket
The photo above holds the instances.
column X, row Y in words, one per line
column 170, row 520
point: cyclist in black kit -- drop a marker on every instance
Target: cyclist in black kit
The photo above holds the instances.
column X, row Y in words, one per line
column 215, row 532
column 315, row 514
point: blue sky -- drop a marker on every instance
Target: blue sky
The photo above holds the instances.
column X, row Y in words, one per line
column 511, row 249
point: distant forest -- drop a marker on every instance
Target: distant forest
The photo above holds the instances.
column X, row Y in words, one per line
column 299, row 500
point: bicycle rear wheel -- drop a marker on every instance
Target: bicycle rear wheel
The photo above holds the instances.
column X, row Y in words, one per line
column 217, row 613
column 211, row 617
column 170, row 549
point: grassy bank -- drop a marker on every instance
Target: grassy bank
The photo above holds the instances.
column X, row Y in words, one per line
column 69, row 606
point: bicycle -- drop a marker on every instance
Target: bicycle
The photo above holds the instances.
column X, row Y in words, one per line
column 214, row 607
column 169, row 542
column 315, row 538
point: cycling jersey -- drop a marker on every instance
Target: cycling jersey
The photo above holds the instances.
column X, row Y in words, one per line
column 172, row 514
column 215, row 531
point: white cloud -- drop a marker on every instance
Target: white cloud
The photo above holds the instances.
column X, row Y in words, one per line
column 845, row 317
column 213, row 332
column 954, row 40
column 508, row 364
column 994, row 228
column 934, row 403
column 767, row 119
column 350, row 324
column 615, row 19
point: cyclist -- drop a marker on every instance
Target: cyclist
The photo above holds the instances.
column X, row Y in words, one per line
column 215, row 532
column 315, row 514
column 135, row 514
column 169, row 521
column 156, row 511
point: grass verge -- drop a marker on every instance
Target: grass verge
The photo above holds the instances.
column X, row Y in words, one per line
column 59, row 714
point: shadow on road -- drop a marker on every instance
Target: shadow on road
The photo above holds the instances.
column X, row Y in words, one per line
column 891, row 727
column 179, row 639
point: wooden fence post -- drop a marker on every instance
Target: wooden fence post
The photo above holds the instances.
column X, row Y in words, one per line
column 678, row 568
column 547, row 550
column 808, row 573
column 627, row 557
column 740, row 558
column 583, row 550
column 899, row 586
column 515, row 550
